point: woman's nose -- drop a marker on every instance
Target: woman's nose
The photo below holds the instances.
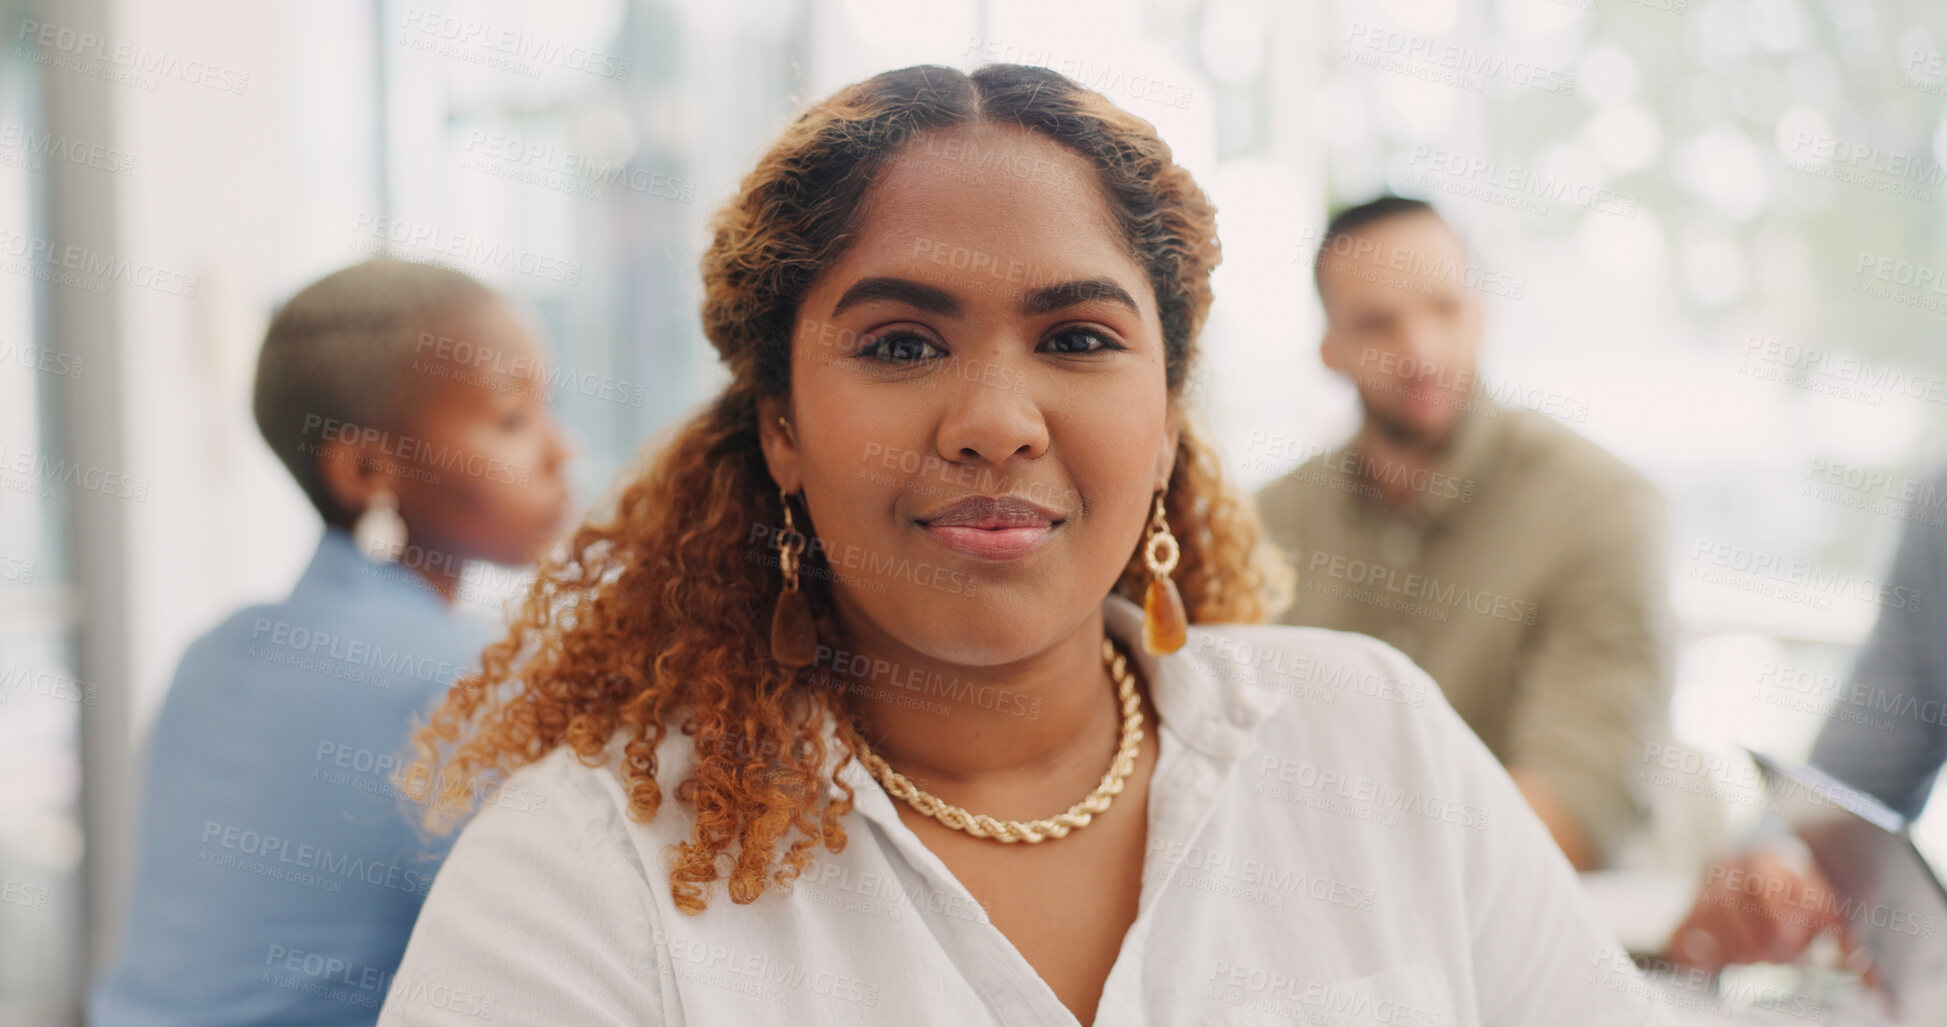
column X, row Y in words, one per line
column 564, row 443
column 992, row 414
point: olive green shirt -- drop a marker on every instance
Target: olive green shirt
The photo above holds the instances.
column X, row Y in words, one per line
column 1526, row 574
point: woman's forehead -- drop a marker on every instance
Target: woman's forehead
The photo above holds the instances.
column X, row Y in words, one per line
column 990, row 207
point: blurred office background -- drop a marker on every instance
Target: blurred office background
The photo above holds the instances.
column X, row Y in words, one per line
column 1674, row 204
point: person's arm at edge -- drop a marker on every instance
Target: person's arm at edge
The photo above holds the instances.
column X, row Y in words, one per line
column 1896, row 764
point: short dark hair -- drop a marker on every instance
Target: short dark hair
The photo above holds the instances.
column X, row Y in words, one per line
column 1349, row 220
column 337, row 351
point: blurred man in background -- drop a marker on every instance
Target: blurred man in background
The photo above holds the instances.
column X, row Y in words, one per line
column 1518, row 563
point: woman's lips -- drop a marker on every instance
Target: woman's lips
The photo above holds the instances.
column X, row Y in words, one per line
column 991, row 527
column 989, row 543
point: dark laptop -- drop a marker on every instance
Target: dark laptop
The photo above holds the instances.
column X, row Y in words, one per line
column 1891, row 900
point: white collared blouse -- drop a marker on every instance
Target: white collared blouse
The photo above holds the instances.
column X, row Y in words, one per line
column 1328, row 844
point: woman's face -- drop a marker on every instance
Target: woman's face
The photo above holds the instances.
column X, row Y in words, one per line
column 484, row 475
column 978, row 402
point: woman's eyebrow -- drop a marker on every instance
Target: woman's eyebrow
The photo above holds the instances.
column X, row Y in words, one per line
column 1067, row 294
column 925, row 297
column 935, row 300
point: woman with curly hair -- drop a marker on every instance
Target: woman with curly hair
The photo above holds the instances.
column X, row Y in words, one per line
column 934, row 643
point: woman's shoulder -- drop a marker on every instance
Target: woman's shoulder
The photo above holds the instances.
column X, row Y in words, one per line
column 545, row 898
column 382, row 658
column 559, row 815
column 1360, row 730
column 1286, row 637
column 1309, row 664
column 566, row 782
column 592, row 791
column 1330, row 694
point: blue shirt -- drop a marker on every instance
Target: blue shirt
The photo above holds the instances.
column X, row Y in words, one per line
column 279, row 873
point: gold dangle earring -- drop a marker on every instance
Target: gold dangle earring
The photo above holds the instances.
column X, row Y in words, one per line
column 794, row 634
column 1165, row 625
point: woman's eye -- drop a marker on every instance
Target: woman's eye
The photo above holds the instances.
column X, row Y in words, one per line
column 1081, row 340
column 513, row 419
column 899, row 348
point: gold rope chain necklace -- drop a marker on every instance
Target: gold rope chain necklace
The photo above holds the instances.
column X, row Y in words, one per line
column 981, row 825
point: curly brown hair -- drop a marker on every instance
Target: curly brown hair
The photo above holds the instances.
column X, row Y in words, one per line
column 643, row 620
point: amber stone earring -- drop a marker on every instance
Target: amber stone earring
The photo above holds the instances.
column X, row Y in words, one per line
column 1165, row 626
column 794, row 635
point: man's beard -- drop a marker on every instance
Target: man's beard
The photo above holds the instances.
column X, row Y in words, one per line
column 1405, row 435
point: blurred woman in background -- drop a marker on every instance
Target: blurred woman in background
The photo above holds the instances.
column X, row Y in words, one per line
column 278, row 876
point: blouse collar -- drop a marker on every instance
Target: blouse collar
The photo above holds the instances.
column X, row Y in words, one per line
column 1215, row 714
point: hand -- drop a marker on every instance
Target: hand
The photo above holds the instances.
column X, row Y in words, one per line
column 1761, row 906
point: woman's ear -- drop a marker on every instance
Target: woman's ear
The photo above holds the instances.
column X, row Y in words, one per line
column 779, row 436
column 1166, row 455
column 351, row 475
column 1328, row 352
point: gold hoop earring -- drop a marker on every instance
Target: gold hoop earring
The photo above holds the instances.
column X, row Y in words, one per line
column 1165, row 625
column 794, row 634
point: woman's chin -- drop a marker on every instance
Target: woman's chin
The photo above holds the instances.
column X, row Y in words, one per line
column 982, row 630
